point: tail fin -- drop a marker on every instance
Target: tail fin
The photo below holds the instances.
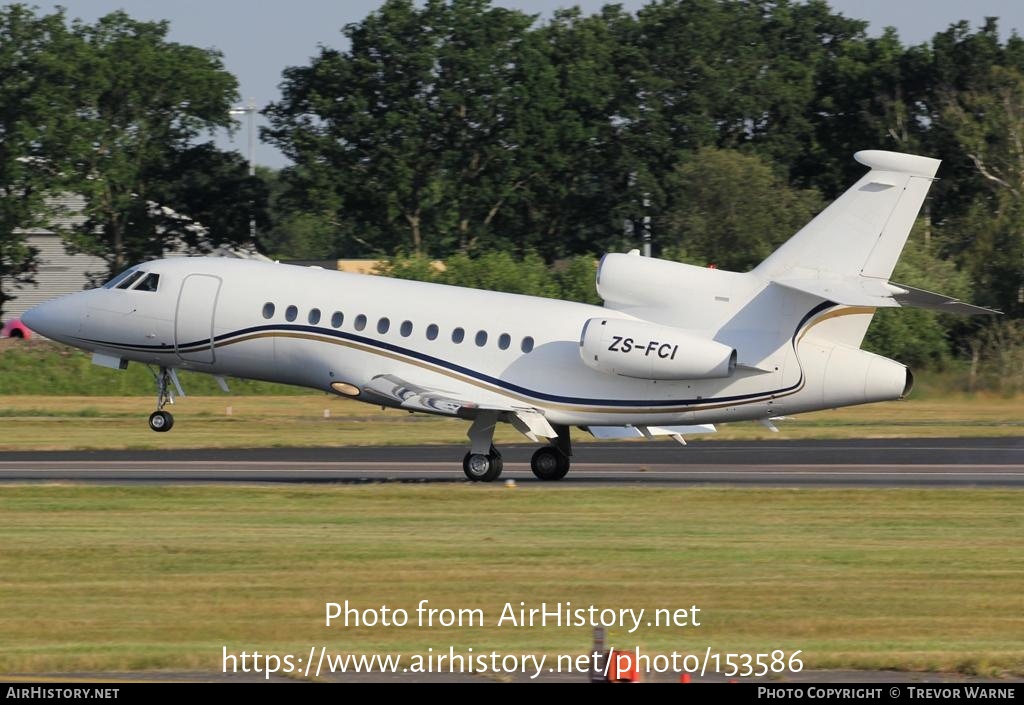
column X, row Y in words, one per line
column 848, row 252
column 864, row 230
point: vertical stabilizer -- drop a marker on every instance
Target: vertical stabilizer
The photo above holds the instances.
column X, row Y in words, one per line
column 864, row 230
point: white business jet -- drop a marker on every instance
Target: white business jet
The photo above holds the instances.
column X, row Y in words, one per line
column 675, row 349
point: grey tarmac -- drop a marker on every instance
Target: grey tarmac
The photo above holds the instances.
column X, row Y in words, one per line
column 943, row 462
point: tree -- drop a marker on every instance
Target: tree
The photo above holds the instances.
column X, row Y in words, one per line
column 33, row 101
column 988, row 123
column 141, row 104
column 214, row 189
column 914, row 336
column 417, row 136
column 731, row 210
column 572, row 280
column 734, row 75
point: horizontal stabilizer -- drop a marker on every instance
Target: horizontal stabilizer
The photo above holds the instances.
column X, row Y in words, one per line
column 919, row 298
column 878, row 293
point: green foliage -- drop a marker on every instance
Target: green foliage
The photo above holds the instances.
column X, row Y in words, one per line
column 731, row 210
column 918, row 337
column 726, row 123
column 141, row 103
column 45, row 368
column 577, row 280
column 513, row 149
column 999, row 361
column 573, row 280
column 988, row 123
column 113, row 111
column 213, row 188
column 499, row 271
column 294, row 233
column 415, row 267
column 425, row 152
column 33, row 99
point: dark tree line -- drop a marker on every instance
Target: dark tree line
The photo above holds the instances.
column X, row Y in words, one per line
column 455, row 127
column 459, row 130
column 115, row 113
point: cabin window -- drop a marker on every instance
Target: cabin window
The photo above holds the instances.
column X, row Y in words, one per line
column 360, row 322
column 291, row 313
column 149, row 283
column 432, row 331
column 130, row 279
column 481, row 338
column 314, row 316
column 458, row 335
column 527, row 345
column 383, row 325
column 268, row 310
column 504, row 340
column 406, row 330
column 337, row 319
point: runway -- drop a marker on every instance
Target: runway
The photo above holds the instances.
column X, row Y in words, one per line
column 959, row 462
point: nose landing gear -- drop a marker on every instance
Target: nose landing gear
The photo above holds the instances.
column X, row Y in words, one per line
column 162, row 421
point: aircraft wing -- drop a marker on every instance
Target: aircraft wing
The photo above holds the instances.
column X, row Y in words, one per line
column 390, row 389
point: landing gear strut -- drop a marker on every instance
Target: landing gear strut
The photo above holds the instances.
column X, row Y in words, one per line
column 483, row 461
column 161, row 421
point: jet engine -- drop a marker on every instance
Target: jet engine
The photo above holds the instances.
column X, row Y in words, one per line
column 650, row 351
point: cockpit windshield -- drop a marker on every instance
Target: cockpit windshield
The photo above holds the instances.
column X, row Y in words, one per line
column 129, row 280
column 150, row 283
column 134, row 279
column 117, row 281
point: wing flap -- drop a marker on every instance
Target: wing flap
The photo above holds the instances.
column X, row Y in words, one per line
column 391, row 389
column 532, row 424
column 620, row 432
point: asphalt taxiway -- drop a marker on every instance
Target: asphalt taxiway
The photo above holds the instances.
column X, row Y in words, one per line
column 952, row 462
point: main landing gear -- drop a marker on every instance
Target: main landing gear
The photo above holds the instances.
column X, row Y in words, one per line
column 161, row 421
column 483, row 462
column 482, row 467
column 549, row 463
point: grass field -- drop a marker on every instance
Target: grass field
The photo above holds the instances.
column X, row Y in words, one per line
column 96, row 578
column 64, row 423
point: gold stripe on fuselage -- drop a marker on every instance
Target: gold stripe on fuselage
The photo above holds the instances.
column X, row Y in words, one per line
column 708, row 406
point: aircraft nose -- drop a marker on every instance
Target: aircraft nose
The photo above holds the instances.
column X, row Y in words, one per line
column 33, row 318
column 54, row 319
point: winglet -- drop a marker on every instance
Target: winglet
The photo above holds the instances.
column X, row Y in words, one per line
column 898, row 162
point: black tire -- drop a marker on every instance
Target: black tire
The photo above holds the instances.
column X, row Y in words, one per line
column 161, row 421
column 483, row 468
column 549, row 464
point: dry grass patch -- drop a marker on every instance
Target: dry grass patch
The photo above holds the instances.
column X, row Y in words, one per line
column 133, row 578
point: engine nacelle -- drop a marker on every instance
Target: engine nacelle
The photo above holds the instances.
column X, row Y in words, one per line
column 651, row 351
